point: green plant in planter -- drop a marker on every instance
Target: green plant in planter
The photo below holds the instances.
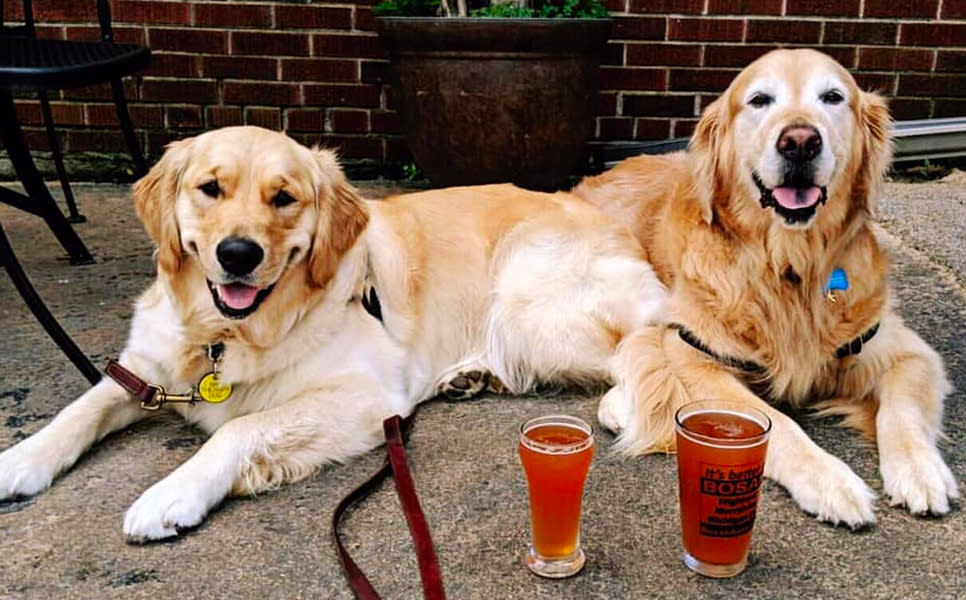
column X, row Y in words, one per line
column 513, row 9
column 407, row 8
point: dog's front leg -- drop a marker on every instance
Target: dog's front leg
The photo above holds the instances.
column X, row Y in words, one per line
column 260, row 451
column 908, row 424
column 822, row 484
column 661, row 373
column 30, row 467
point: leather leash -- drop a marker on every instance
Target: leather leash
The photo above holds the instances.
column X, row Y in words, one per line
column 397, row 432
column 396, row 429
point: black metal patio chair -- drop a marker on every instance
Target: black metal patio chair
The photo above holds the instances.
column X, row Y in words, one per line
column 27, row 62
column 27, row 29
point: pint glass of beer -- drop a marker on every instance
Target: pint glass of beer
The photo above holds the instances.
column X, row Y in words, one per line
column 721, row 460
column 556, row 452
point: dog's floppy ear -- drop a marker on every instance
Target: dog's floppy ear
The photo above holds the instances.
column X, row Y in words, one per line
column 704, row 150
column 154, row 200
column 875, row 123
column 342, row 218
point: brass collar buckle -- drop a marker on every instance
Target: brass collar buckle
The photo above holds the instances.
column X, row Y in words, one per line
column 160, row 397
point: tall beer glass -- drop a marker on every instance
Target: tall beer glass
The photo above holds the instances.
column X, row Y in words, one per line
column 556, row 452
column 721, row 460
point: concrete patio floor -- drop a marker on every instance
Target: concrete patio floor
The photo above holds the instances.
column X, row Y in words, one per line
column 67, row 542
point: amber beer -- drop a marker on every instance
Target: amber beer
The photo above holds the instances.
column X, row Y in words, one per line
column 556, row 452
column 721, row 459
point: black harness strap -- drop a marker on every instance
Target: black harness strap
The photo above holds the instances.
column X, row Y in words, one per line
column 848, row 349
column 370, row 302
column 729, row 361
column 855, row 346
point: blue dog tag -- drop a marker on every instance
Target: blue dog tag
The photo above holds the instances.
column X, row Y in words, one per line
column 838, row 281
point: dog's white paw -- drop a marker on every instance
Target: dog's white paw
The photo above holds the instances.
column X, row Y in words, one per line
column 614, row 410
column 24, row 471
column 164, row 509
column 835, row 494
column 920, row 481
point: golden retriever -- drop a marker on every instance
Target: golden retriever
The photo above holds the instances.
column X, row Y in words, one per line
column 332, row 313
column 779, row 291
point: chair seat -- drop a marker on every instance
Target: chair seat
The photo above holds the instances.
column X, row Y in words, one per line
column 58, row 64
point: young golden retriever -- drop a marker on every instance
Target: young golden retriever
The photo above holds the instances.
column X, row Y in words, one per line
column 328, row 314
column 779, row 291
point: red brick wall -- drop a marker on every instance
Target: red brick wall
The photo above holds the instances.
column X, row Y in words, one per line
column 668, row 58
column 317, row 69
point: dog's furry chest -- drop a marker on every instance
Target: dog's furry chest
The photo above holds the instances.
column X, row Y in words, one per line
column 785, row 320
column 329, row 345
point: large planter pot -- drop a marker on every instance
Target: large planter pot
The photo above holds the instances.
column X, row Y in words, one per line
column 487, row 100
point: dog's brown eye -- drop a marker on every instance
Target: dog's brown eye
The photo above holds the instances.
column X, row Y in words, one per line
column 832, row 97
column 283, row 198
column 210, row 189
column 759, row 100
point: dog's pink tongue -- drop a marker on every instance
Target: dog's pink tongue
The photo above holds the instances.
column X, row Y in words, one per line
column 793, row 198
column 237, row 295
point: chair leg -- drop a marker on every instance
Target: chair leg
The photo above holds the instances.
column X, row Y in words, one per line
column 72, row 215
column 33, row 183
column 40, row 310
column 127, row 127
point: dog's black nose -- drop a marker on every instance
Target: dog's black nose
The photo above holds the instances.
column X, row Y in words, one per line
column 799, row 143
column 239, row 256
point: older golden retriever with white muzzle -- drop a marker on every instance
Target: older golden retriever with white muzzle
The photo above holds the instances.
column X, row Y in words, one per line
column 762, row 232
column 327, row 314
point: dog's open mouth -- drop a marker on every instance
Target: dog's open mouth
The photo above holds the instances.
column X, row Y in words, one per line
column 794, row 201
column 238, row 300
